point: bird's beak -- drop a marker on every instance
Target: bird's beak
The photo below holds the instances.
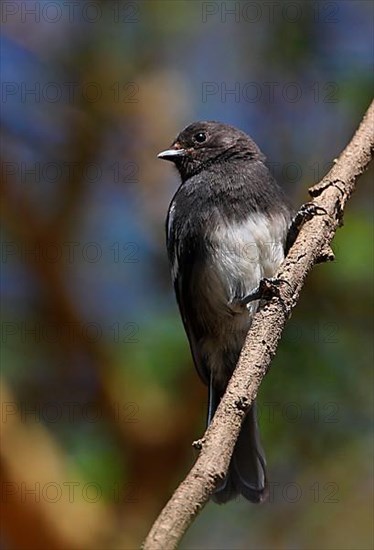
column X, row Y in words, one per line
column 172, row 154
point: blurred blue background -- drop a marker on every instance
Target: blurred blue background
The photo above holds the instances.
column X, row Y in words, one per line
column 100, row 399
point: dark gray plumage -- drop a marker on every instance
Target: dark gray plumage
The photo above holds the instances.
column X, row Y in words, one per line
column 226, row 229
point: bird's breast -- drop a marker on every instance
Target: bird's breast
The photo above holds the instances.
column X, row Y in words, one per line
column 243, row 253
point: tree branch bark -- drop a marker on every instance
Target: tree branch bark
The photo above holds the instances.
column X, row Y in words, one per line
column 311, row 246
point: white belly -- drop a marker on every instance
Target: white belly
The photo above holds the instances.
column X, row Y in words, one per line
column 242, row 256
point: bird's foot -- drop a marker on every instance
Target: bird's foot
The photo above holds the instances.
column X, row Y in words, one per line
column 305, row 214
column 266, row 290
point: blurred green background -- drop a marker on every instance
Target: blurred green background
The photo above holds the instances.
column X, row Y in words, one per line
column 100, row 400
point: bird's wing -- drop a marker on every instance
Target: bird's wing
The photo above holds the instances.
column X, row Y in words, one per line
column 183, row 283
column 190, row 315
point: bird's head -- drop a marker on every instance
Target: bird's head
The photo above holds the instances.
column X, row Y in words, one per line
column 204, row 143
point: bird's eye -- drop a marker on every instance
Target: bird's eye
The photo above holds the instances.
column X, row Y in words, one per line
column 200, row 137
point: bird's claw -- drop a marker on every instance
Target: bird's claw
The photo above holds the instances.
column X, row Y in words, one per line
column 308, row 210
column 266, row 290
column 306, row 213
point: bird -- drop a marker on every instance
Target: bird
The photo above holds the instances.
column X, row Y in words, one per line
column 226, row 230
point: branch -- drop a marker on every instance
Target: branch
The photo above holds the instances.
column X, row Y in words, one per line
column 312, row 246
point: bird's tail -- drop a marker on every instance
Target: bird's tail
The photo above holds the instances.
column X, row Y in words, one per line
column 247, row 470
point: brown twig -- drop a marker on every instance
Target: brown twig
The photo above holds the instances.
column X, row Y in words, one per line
column 311, row 246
